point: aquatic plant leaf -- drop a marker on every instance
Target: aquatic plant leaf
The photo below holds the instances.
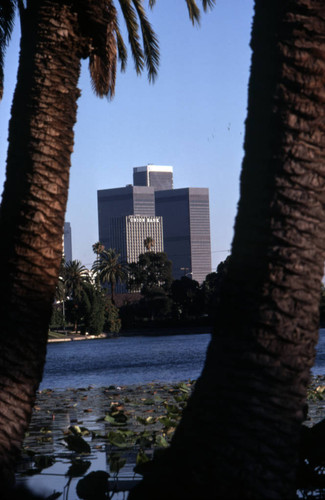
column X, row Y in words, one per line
column 110, row 419
column 44, row 439
column 77, row 443
column 94, row 486
column 113, row 422
column 149, row 401
column 119, row 417
column 141, row 420
column 118, row 439
column 45, row 430
column 184, row 388
column 181, row 398
column 141, row 458
column 145, row 441
column 161, row 441
column 167, row 422
column 173, row 410
column 75, row 429
column 143, row 463
column 43, row 461
column 150, row 420
column 116, row 462
column 78, row 468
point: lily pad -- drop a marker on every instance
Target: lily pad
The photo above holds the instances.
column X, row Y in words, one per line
column 94, row 486
column 119, row 439
column 78, row 468
column 116, row 462
column 77, row 443
column 161, row 441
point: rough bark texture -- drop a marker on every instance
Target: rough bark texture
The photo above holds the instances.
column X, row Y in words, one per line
column 240, row 433
column 33, row 209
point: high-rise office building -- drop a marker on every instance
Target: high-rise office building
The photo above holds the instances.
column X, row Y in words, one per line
column 158, row 176
column 67, row 242
column 178, row 220
column 126, row 217
column 186, row 217
column 127, row 235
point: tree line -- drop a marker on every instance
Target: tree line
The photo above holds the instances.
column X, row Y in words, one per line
column 86, row 300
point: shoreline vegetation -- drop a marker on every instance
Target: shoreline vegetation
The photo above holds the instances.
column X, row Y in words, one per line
column 67, row 336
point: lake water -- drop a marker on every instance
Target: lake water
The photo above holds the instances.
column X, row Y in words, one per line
column 124, row 360
column 134, row 360
column 319, row 366
column 105, row 362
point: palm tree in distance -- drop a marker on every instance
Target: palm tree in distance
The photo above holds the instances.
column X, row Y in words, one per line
column 149, row 243
column 75, row 277
column 98, row 247
column 109, row 270
column 55, row 36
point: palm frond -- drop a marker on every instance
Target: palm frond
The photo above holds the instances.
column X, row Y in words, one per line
column 192, row 8
column 102, row 60
column 132, row 25
column 97, row 22
column 194, row 11
column 7, row 16
column 121, row 48
column 150, row 41
column 208, row 4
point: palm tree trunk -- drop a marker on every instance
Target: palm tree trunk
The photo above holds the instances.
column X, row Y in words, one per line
column 113, row 292
column 33, row 208
column 240, row 433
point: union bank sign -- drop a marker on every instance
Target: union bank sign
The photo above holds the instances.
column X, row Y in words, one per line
column 137, row 219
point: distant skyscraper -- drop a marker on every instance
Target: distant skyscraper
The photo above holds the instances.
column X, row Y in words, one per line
column 157, row 176
column 178, row 221
column 126, row 217
column 67, row 242
column 127, row 235
column 186, row 217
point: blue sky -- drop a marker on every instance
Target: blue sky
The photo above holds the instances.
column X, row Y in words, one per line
column 192, row 118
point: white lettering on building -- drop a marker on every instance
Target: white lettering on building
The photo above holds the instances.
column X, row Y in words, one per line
column 144, row 219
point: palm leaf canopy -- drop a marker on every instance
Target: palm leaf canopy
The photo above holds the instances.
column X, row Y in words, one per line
column 7, row 14
column 108, row 267
column 102, row 41
column 75, row 278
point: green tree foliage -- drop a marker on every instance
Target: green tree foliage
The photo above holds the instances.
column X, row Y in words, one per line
column 75, row 277
column 187, row 298
column 156, row 304
column 109, row 270
column 112, row 320
column 151, row 270
column 152, row 274
column 322, row 306
column 94, row 311
column 211, row 288
column 57, row 318
column 149, row 243
column 98, row 247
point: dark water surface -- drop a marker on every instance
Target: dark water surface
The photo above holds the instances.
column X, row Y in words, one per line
column 124, row 361
column 101, row 363
column 319, row 366
column 134, row 360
